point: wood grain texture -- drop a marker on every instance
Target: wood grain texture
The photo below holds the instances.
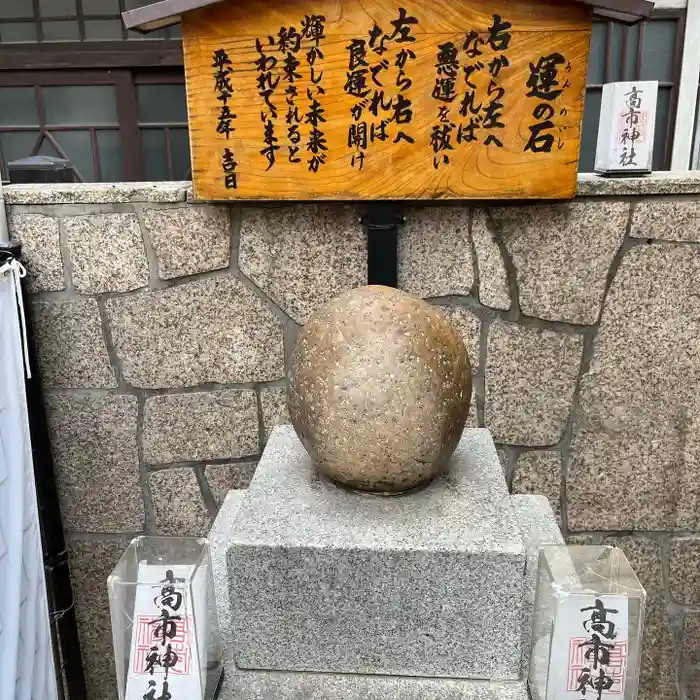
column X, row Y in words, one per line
column 389, row 170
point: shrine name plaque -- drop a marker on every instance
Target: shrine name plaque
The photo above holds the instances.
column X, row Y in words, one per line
column 383, row 99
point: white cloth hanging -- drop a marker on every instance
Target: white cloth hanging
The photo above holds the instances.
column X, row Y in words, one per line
column 27, row 670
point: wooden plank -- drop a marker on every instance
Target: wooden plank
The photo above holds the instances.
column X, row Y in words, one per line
column 553, row 35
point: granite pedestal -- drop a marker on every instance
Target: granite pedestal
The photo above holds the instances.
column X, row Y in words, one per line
column 324, row 592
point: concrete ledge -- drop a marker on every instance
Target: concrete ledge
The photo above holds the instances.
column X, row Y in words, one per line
column 97, row 193
column 658, row 183
column 589, row 185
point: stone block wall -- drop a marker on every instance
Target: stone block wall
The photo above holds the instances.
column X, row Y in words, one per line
column 164, row 327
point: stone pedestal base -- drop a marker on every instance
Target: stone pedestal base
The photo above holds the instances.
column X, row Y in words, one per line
column 256, row 531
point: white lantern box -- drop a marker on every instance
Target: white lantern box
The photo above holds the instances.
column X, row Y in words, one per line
column 164, row 623
column 587, row 625
column 626, row 128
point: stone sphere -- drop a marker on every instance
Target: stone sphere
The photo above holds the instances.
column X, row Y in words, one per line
column 380, row 388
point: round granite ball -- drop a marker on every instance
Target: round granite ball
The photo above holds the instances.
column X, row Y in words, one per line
column 380, row 386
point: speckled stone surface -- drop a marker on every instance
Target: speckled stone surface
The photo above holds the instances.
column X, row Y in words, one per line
column 223, row 478
column 676, row 219
column 91, row 562
column 209, row 330
column 690, row 651
column 188, row 239
column 661, row 182
column 539, row 527
column 271, row 685
column 562, row 254
column 106, row 252
column 468, row 324
column 493, row 280
column 274, row 408
column 200, row 426
column 530, row 380
column 636, row 432
column 93, row 440
column 304, row 255
column 178, row 504
column 97, row 193
column 434, row 252
column 41, row 250
column 69, row 343
column 302, row 686
column 540, row 472
column 325, row 579
column 684, row 564
column 657, row 676
column 379, row 389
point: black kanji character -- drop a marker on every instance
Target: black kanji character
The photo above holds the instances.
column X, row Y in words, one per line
column 293, row 115
column 293, row 158
column 469, row 105
column 543, row 77
column 265, row 62
column 467, row 134
column 358, row 158
column 468, row 70
column 444, row 90
column 403, row 112
column 166, row 625
column 492, row 138
column 357, row 135
column 357, row 109
column 374, row 34
column 314, row 78
column 221, row 59
column 378, row 131
column 543, row 111
column 402, row 27
column 499, row 36
column 401, row 136
column 289, row 40
column 293, row 134
column 628, row 158
column 358, row 54
column 378, row 103
column 271, row 146
column 402, row 58
column 599, row 621
column 497, row 64
column 291, row 64
column 316, row 162
column 356, row 83
column 152, row 660
column 634, row 100
column 315, row 114
column 313, row 54
column 447, row 62
column 472, row 44
column 597, row 651
column 313, row 27
column 403, row 82
column 441, row 138
column 375, row 70
column 540, row 141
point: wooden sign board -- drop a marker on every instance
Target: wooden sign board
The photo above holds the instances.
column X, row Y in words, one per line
column 386, row 99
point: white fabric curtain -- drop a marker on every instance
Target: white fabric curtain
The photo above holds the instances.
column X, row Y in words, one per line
column 26, row 659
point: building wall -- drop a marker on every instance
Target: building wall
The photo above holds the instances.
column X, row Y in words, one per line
column 164, row 329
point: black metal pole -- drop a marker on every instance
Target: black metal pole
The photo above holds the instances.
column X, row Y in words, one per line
column 64, row 628
column 382, row 222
